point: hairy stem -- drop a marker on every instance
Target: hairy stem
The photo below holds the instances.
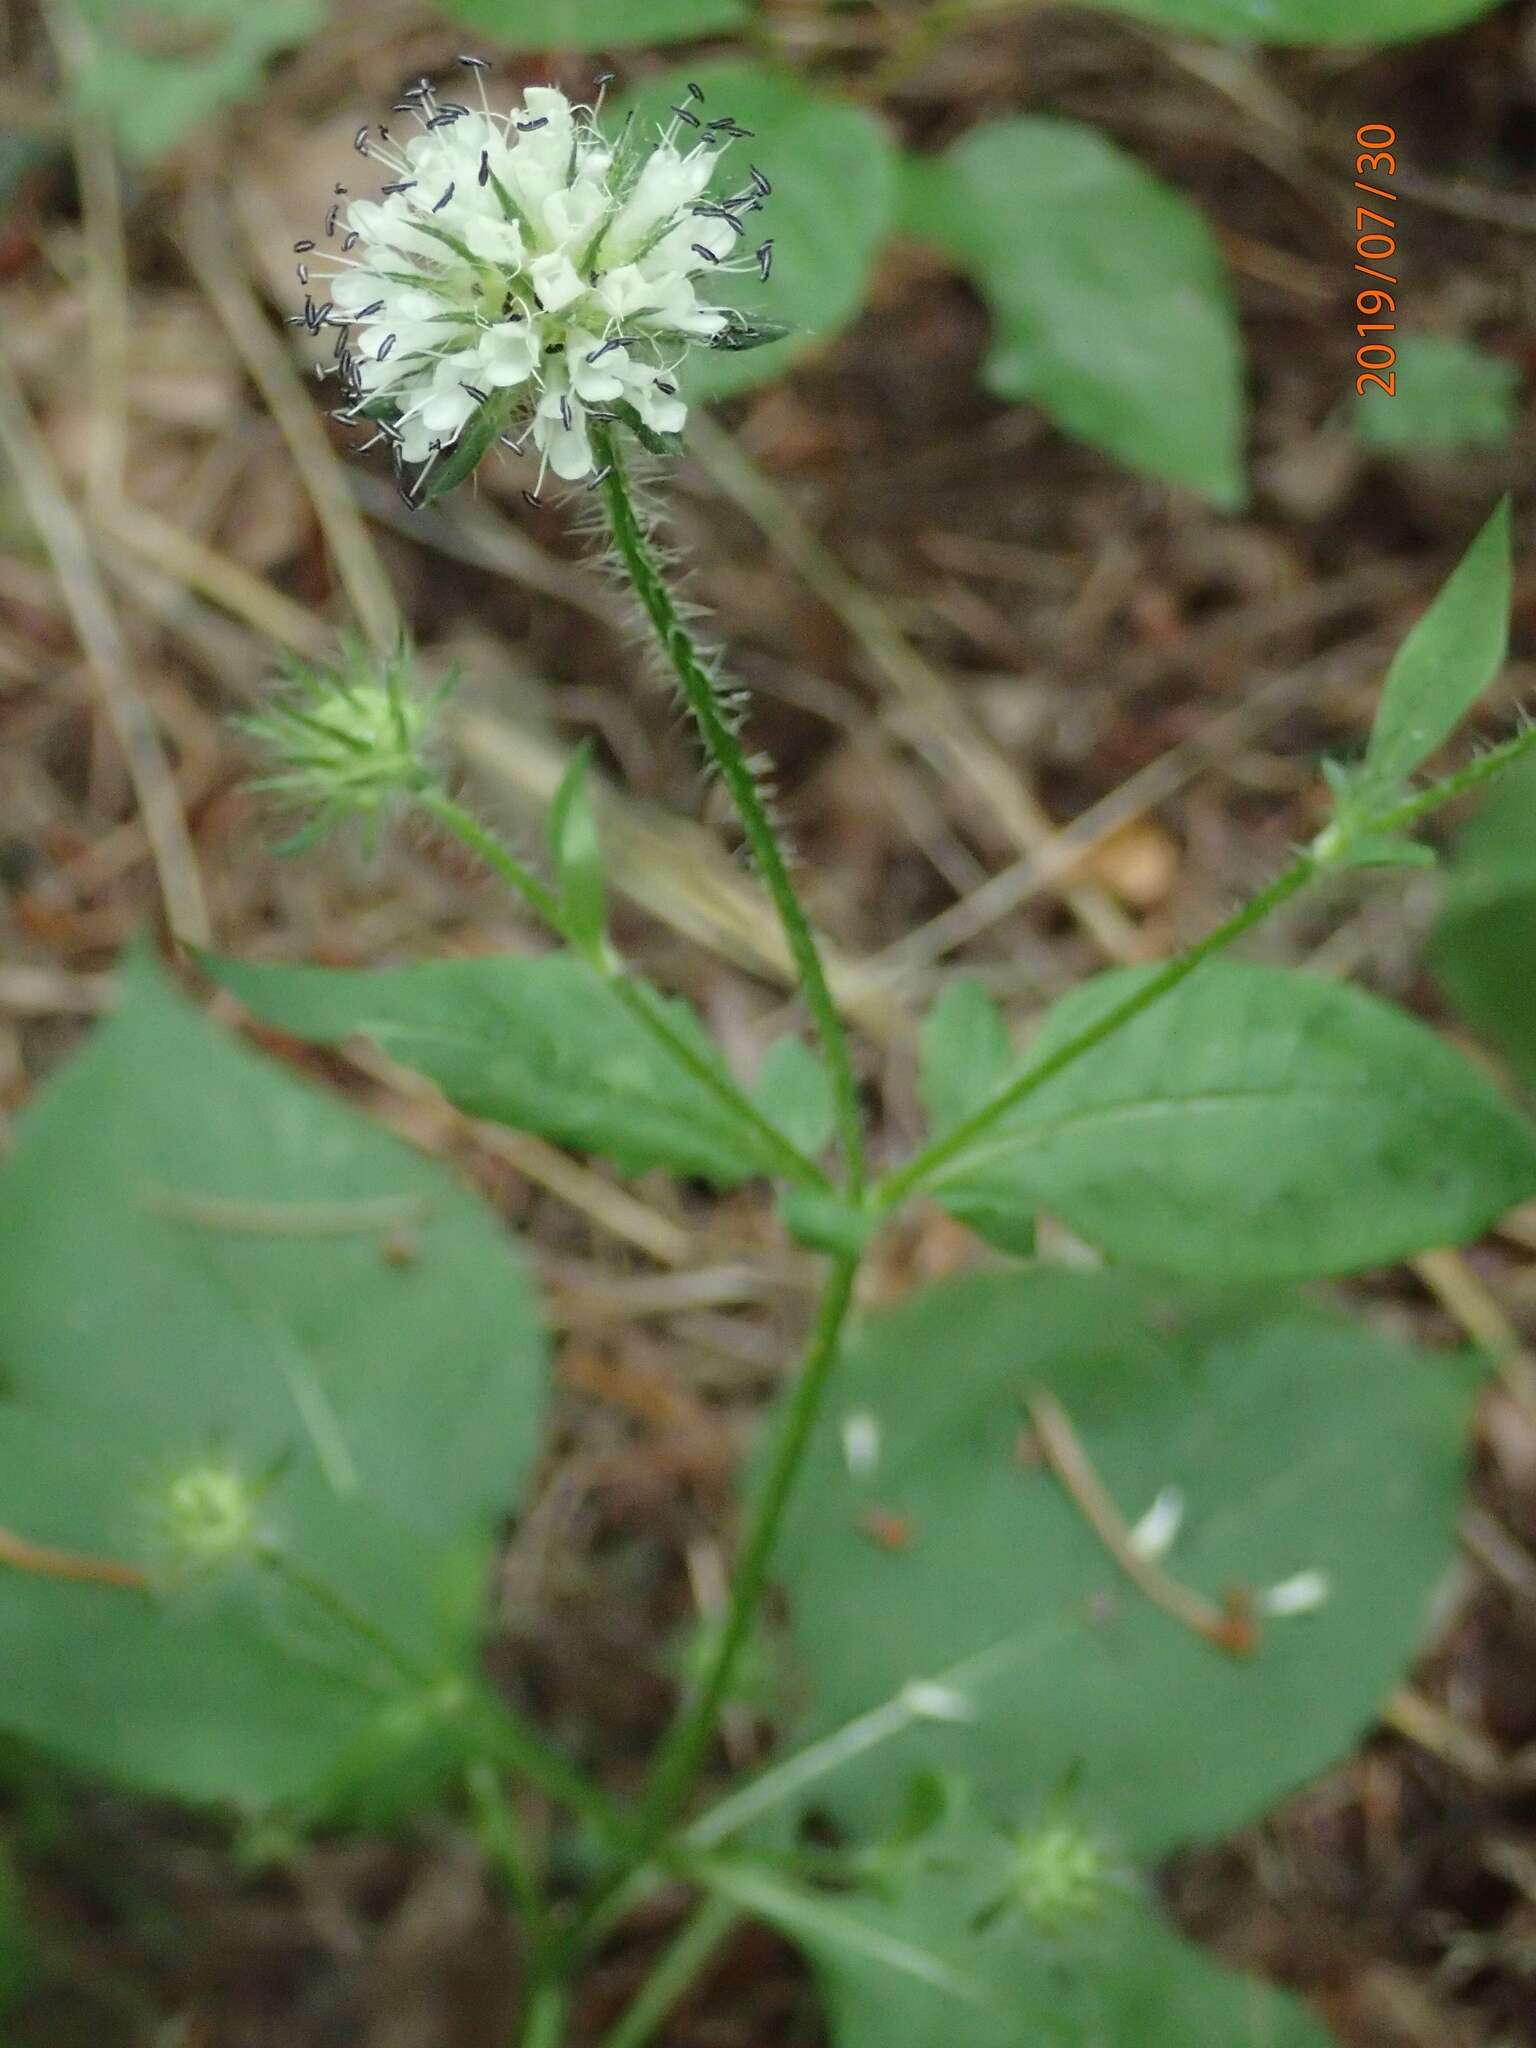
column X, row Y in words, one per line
column 726, row 751
column 786, row 1157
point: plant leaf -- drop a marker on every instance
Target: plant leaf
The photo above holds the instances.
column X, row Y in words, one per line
column 208, row 1258
column 157, row 71
column 1299, row 1442
column 793, row 1091
column 1257, row 1123
column 576, row 855
column 540, row 1043
column 1122, row 1977
column 476, row 439
column 965, row 1057
column 598, row 24
column 1485, row 940
column 1449, row 395
column 1306, row 21
column 1447, row 661
column 1109, row 299
column 833, row 169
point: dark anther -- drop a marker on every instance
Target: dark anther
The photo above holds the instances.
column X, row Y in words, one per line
column 445, row 199
column 302, row 248
column 484, row 177
column 384, row 348
column 527, row 127
column 708, row 255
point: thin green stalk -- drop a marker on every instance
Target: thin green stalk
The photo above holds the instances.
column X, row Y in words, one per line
column 544, row 2022
column 503, row 1737
column 469, row 831
column 683, row 1752
column 675, row 1969
column 726, row 751
column 501, row 1836
column 787, row 1158
column 924, row 1166
column 499, row 1733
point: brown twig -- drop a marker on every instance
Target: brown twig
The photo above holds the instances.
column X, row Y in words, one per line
column 96, row 626
column 70, row 1564
column 1230, row 1627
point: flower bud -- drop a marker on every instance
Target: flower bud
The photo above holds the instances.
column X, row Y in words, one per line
column 1061, row 1876
column 205, row 1517
column 344, row 741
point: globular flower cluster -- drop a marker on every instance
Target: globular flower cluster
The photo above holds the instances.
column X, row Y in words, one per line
column 521, row 270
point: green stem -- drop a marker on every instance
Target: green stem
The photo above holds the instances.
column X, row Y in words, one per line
column 504, row 1738
column 726, row 751
column 787, row 1158
column 544, row 2022
column 481, row 841
column 1435, row 794
column 683, row 1751
column 675, row 1969
column 926, row 1165
column 499, row 1734
column 501, row 1836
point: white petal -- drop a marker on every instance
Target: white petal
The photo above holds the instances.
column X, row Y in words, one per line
column 1303, row 1594
column 555, row 280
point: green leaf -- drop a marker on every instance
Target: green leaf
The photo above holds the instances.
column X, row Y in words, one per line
column 1447, row 661
column 1449, row 395
column 540, row 1043
column 576, row 855
column 1299, row 1442
column 1122, row 1978
column 1306, row 21
column 212, row 1264
column 833, row 170
column 965, row 1056
column 1108, row 294
column 793, row 1091
column 598, row 24
column 1485, row 940
column 1254, row 1123
column 157, row 71
column 476, row 440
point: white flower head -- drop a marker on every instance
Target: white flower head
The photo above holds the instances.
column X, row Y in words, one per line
column 522, row 271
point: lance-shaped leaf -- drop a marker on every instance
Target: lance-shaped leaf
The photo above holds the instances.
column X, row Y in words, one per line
column 541, row 1043
column 1257, row 1123
column 1447, row 661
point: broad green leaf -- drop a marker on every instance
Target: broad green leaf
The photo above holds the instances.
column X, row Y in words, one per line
column 1484, row 944
column 965, row 1057
column 1449, row 395
column 1447, row 661
column 541, row 1043
column 208, row 1261
column 155, row 71
column 792, row 1090
column 1299, row 1443
column 833, row 171
column 1255, row 1123
column 965, row 1054
column 1307, row 21
column 598, row 24
column 1109, row 300
column 1120, row 1979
